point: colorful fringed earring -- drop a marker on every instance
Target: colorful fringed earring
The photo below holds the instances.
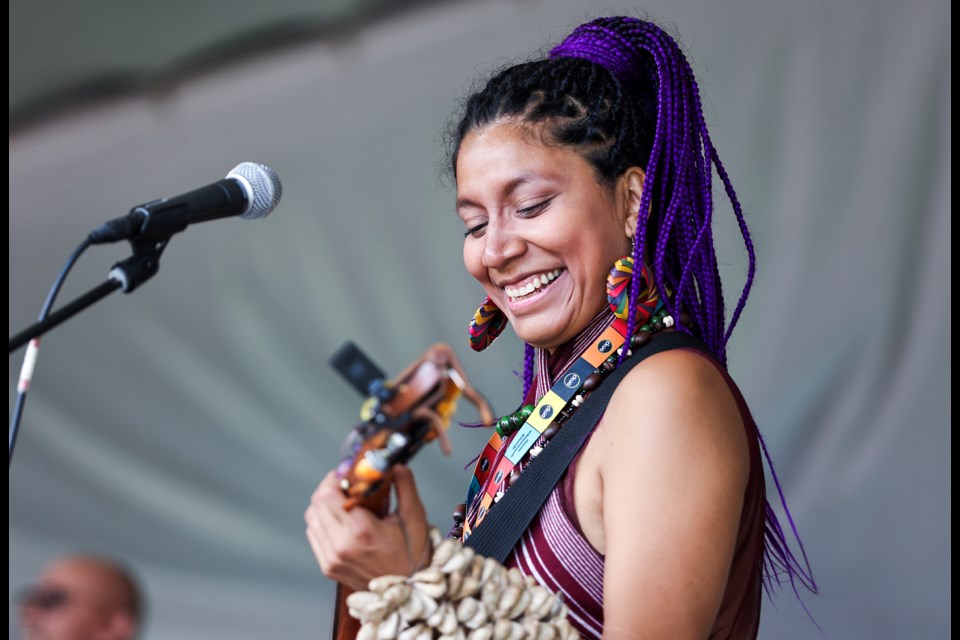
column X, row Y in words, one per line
column 488, row 323
column 618, row 290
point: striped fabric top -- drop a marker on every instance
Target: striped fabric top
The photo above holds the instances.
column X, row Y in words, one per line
column 556, row 554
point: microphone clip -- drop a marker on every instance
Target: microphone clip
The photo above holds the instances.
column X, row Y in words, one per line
column 142, row 265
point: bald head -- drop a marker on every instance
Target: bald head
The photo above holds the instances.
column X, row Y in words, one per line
column 81, row 597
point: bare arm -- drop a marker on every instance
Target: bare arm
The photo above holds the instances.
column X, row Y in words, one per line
column 675, row 464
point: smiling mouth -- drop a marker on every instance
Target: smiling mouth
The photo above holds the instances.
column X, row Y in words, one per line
column 538, row 283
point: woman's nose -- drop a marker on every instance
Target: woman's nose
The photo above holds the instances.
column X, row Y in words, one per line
column 501, row 244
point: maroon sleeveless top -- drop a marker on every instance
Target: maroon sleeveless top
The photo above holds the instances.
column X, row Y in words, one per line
column 555, row 552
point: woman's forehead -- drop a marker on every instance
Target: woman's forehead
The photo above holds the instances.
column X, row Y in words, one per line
column 507, row 153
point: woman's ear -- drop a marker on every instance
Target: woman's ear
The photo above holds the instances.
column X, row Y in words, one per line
column 631, row 182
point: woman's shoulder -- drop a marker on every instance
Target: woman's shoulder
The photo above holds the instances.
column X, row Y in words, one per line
column 676, row 372
column 671, row 466
column 678, row 397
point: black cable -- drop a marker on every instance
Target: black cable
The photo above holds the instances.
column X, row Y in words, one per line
column 30, row 357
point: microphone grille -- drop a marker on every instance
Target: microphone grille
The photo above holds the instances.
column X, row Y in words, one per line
column 266, row 188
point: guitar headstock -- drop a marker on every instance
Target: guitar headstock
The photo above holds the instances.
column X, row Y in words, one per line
column 398, row 417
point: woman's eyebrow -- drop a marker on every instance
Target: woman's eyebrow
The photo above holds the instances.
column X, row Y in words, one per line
column 509, row 187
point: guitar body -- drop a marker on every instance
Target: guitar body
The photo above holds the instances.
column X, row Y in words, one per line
column 398, row 418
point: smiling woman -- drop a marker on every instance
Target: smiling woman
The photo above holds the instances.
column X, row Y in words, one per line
column 584, row 184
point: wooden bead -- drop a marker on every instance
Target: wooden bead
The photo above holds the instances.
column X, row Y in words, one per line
column 592, row 382
column 551, row 430
column 641, row 338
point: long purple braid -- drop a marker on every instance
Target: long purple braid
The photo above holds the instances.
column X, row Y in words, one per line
column 528, row 351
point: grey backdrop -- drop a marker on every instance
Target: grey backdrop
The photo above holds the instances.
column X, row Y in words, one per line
column 183, row 427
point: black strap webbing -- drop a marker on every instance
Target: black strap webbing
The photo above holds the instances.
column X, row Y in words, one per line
column 501, row 529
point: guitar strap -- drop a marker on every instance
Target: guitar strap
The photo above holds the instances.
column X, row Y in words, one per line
column 503, row 526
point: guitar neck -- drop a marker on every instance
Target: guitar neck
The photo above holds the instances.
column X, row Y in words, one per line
column 399, row 417
column 345, row 626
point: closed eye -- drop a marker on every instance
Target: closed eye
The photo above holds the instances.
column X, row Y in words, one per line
column 475, row 230
column 535, row 209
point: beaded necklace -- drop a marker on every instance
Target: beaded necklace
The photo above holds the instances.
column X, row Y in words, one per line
column 519, row 437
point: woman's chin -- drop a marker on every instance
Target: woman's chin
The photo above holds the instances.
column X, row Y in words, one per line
column 540, row 335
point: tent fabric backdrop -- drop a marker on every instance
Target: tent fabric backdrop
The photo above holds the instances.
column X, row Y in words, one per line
column 183, row 427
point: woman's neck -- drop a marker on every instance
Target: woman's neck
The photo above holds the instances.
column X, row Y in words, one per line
column 551, row 364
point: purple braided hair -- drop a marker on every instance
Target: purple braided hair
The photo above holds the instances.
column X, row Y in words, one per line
column 528, row 351
column 681, row 163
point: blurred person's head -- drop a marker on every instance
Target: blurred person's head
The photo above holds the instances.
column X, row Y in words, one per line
column 81, row 597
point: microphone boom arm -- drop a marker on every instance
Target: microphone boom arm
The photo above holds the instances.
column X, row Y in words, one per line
column 126, row 275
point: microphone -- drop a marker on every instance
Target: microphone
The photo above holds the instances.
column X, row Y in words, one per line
column 250, row 190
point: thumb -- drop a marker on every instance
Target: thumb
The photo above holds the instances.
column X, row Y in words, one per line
column 412, row 518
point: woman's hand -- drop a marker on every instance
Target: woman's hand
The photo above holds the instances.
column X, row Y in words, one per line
column 354, row 546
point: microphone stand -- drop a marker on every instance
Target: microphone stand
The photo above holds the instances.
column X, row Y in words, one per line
column 68, row 311
column 127, row 275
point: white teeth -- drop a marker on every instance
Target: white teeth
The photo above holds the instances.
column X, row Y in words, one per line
column 538, row 282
